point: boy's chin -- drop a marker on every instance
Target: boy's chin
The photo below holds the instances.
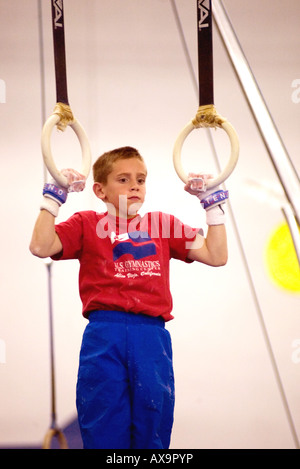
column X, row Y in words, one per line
column 133, row 209
column 124, row 212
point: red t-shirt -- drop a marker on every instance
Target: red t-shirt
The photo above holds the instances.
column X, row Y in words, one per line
column 124, row 264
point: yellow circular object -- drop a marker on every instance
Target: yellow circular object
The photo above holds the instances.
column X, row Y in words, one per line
column 281, row 259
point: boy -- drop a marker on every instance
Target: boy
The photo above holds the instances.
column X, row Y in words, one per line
column 125, row 388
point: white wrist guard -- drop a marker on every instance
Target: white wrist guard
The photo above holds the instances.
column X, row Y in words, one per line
column 212, row 203
column 50, row 205
column 215, row 216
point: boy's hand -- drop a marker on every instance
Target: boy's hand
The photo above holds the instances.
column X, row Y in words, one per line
column 76, row 180
column 55, row 195
column 197, row 183
column 211, row 200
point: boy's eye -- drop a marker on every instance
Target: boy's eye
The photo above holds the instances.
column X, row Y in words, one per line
column 141, row 181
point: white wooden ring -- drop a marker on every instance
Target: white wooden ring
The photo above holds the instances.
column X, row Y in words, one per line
column 225, row 173
column 47, row 153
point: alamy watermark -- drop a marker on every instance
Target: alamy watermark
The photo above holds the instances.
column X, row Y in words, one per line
column 296, row 352
column 153, row 225
column 296, row 93
column 2, row 352
column 2, row 91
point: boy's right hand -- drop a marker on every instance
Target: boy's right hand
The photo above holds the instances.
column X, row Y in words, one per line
column 76, row 180
column 55, row 195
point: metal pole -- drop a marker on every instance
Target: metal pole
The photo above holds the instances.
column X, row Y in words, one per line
column 273, row 142
column 294, row 230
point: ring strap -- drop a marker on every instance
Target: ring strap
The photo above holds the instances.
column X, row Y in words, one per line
column 65, row 115
column 207, row 116
column 59, row 51
column 205, row 52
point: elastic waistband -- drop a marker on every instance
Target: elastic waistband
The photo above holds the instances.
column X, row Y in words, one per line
column 125, row 318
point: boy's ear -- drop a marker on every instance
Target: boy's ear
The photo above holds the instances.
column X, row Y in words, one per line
column 98, row 190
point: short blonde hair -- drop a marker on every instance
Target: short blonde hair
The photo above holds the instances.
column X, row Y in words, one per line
column 104, row 164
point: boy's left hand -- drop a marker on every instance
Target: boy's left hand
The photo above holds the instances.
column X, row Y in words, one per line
column 211, row 199
column 197, row 184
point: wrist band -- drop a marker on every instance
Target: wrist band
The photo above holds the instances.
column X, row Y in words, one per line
column 59, row 193
column 215, row 216
column 217, row 197
column 51, row 205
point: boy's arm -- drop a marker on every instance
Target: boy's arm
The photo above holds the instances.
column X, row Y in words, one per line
column 45, row 242
column 211, row 250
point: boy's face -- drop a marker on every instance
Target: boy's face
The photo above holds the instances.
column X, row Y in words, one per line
column 125, row 188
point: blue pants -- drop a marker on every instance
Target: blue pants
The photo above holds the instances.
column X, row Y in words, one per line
column 125, row 388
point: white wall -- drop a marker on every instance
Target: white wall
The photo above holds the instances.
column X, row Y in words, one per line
column 129, row 84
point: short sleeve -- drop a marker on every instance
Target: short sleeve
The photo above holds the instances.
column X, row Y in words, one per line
column 70, row 233
column 181, row 239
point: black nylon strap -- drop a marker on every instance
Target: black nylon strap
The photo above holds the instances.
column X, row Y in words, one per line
column 59, row 51
column 205, row 52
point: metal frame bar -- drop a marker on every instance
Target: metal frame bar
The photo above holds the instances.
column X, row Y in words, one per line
column 273, row 142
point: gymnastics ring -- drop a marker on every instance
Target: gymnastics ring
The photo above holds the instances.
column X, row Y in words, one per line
column 228, row 168
column 47, row 153
column 54, row 432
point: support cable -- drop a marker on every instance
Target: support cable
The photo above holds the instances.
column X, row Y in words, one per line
column 53, row 431
column 207, row 115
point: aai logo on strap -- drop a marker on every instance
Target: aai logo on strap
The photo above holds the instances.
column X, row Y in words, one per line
column 58, row 8
column 203, row 13
column 138, row 244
